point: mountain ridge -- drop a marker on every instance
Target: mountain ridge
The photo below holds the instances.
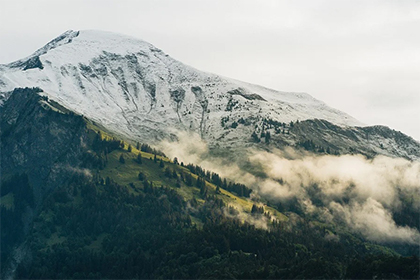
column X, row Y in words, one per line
column 81, row 47
column 137, row 91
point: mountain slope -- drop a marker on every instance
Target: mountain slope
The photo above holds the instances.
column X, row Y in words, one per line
column 94, row 217
column 136, row 90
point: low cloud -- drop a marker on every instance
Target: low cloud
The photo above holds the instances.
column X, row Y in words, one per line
column 360, row 192
column 257, row 220
column 80, row 171
column 375, row 222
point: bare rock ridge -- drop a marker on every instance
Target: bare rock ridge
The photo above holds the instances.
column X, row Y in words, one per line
column 137, row 91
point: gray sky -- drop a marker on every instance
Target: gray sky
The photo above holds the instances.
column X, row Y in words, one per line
column 362, row 57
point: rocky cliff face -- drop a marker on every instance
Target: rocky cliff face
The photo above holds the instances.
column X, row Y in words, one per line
column 324, row 137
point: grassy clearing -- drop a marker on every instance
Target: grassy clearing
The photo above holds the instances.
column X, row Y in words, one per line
column 127, row 174
column 96, row 245
column 55, row 239
column 8, row 201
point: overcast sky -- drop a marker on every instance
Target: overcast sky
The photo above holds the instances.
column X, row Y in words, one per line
column 362, row 57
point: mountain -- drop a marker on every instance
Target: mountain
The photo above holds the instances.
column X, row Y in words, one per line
column 135, row 90
column 76, row 202
column 289, row 187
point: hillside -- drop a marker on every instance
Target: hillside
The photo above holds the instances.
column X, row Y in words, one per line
column 97, row 218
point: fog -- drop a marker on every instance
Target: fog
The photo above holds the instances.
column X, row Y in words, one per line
column 359, row 192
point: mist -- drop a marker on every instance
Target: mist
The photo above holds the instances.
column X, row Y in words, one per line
column 361, row 193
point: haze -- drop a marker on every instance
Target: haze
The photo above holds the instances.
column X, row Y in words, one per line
column 362, row 57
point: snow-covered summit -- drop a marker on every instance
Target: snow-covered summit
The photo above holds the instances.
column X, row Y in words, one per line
column 82, row 46
column 133, row 88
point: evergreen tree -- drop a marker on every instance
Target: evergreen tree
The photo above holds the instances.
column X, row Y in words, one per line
column 203, row 190
column 138, row 146
column 255, row 137
column 139, row 161
column 200, row 182
column 122, row 160
column 188, row 179
column 257, row 210
column 161, row 165
column 129, row 148
column 267, row 137
column 178, row 183
column 167, row 172
column 141, row 176
column 146, row 186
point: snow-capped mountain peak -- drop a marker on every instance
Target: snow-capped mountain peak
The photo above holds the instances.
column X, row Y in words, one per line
column 133, row 88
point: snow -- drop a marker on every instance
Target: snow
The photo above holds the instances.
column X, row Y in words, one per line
column 125, row 84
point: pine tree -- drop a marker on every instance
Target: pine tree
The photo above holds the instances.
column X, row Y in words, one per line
column 253, row 209
column 167, row 172
column 203, row 190
column 200, row 182
column 255, row 137
column 178, row 183
column 141, row 176
column 188, row 180
column 257, row 210
column 129, row 148
column 267, row 137
column 161, row 165
column 138, row 146
column 122, row 160
column 139, row 161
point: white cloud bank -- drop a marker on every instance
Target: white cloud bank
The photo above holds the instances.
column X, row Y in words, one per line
column 372, row 188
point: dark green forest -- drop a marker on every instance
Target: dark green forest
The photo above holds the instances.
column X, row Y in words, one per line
column 97, row 230
column 93, row 227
